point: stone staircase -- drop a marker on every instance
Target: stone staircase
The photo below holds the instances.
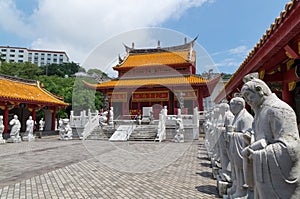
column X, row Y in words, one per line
column 103, row 133
column 144, row 133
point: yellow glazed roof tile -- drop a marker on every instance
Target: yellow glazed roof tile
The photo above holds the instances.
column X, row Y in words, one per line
column 26, row 92
column 150, row 59
column 192, row 80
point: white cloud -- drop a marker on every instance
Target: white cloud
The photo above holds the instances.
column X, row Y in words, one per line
column 229, row 60
column 77, row 26
column 240, row 50
column 12, row 20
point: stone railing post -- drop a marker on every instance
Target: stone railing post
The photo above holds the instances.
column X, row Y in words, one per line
column 83, row 118
column 72, row 117
column 179, row 113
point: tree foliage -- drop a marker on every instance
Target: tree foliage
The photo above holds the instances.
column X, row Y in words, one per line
column 23, row 70
column 62, row 70
column 71, row 89
column 84, row 98
column 97, row 72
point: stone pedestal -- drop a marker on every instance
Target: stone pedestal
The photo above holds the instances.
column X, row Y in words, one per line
column 222, row 186
column 29, row 138
column 2, row 141
column 14, row 139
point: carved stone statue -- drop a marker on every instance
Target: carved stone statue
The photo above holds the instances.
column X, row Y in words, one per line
column 29, row 130
column 103, row 119
column 2, row 141
column 241, row 126
column 111, row 116
column 222, row 144
column 179, row 137
column 65, row 131
column 41, row 124
column 275, row 148
column 212, row 135
column 15, row 130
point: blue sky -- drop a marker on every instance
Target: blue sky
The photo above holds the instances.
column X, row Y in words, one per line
column 228, row 29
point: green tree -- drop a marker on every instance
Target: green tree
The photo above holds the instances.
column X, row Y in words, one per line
column 97, row 72
column 23, row 70
column 74, row 92
column 85, row 98
column 62, row 70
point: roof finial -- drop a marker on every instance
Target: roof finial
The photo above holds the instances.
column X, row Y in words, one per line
column 158, row 44
column 132, row 45
column 120, row 59
column 185, row 40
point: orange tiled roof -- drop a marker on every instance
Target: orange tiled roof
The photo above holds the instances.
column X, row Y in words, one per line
column 181, row 80
column 158, row 58
column 12, row 89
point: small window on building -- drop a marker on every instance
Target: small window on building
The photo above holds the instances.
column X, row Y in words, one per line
column 21, row 51
column 12, row 50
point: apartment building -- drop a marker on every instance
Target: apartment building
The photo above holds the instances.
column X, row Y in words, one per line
column 38, row 57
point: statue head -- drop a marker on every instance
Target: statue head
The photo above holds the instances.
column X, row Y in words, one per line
column 255, row 92
column 15, row 117
column 236, row 105
column 30, row 117
column 223, row 107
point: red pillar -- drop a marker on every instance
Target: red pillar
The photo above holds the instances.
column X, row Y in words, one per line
column 33, row 114
column 53, row 119
column 200, row 100
column 5, row 120
column 286, row 94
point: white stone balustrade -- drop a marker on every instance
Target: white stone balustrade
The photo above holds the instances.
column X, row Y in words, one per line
column 84, row 123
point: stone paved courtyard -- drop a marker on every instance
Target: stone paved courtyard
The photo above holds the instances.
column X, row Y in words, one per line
column 49, row 168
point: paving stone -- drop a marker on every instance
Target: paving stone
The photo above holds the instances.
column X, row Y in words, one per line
column 49, row 168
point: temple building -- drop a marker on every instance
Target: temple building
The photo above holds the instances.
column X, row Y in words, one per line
column 156, row 77
column 276, row 57
column 24, row 98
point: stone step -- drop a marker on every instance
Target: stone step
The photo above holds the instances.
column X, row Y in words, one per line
column 144, row 133
column 101, row 133
column 142, row 139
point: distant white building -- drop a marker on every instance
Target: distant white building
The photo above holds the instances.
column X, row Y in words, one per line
column 38, row 57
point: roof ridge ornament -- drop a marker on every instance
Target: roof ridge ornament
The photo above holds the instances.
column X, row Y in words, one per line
column 186, row 46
